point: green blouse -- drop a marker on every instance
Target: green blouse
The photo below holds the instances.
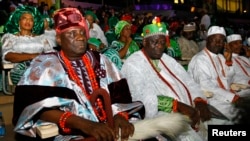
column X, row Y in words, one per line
column 133, row 47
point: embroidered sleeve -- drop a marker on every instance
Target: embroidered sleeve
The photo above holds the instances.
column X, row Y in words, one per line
column 7, row 45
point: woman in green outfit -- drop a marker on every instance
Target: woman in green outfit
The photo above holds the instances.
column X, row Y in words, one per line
column 124, row 44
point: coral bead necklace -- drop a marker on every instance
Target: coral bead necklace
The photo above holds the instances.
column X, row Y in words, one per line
column 99, row 109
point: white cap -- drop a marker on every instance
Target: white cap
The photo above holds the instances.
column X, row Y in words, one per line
column 189, row 27
column 216, row 30
column 233, row 37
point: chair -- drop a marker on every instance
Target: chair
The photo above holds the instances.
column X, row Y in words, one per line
column 8, row 86
column 6, row 81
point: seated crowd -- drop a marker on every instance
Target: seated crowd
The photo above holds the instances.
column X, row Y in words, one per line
column 115, row 76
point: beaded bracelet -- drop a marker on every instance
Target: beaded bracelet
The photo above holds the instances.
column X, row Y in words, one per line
column 62, row 121
column 236, row 97
column 175, row 105
column 124, row 114
column 198, row 100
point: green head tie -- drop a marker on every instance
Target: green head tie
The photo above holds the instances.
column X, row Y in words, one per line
column 91, row 13
column 113, row 21
column 119, row 26
column 95, row 42
column 12, row 25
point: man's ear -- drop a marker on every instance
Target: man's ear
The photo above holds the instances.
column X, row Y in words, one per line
column 58, row 39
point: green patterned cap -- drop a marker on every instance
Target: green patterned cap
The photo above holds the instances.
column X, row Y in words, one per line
column 119, row 26
column 155, row 28
column 12, row 25
column 95, row 42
